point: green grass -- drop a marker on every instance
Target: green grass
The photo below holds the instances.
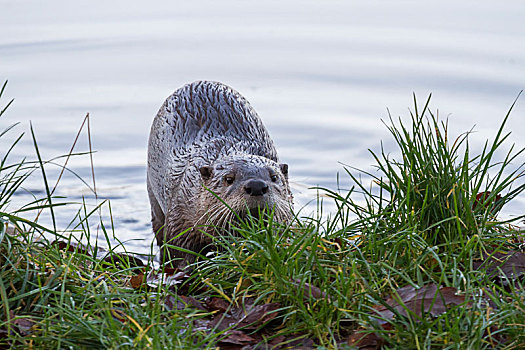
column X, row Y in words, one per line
column 417, row 223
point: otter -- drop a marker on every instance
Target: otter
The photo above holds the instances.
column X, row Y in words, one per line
column 207, row 148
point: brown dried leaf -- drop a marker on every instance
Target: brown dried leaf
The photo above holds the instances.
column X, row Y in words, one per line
column 501, row 265
column 251, row 317
column 137, row 281
column 191, row 301
column 174, row 303
column 340, row 243
column 126, row 260
column 311, row 290
column 427, row 299
column 4, row 344
column 217, row 304
column 238, row 338
column 482, row 199
column 274, row 343
column 168, row 277
column 495, row 337
column 222, row 321
column 72, row 247
column 256, row 315
column 363, row 339
column 24, row 325
column 300, row 342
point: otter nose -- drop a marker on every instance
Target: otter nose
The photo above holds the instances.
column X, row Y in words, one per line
column 256, row 187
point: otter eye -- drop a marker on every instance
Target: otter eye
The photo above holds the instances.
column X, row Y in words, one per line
column 229, row 179
column 274, row 178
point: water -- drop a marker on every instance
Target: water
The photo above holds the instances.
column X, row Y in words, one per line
column 320, row 74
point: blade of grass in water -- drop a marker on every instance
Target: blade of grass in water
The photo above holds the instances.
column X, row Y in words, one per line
column 46, row 186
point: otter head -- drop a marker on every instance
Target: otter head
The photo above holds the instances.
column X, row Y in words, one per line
column 245, row 183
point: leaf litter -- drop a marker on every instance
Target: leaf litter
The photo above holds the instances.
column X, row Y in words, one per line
column 249, row 326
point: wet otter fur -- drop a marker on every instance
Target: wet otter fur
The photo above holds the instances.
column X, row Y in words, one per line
column 207, row 138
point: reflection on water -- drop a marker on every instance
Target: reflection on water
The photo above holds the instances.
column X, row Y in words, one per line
column 320, row 74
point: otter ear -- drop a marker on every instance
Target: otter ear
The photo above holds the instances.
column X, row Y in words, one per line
column 284, row 168
column 206, row 172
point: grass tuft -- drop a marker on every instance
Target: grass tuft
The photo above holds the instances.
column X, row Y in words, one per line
column 429, row 221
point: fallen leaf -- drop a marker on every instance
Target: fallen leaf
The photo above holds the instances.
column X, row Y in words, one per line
column 191, row 301
column 310, row 290
column 217, row 304
column 249, row 317
column 427, row 299
column 275, row 343
column 137, row 281
column 495, row 337
column 174, row 303
column 256, row 315
column 24, row 324
column 500, row 265
column 300, row 342
column 482, row 199
column 238, row 338
column 123, row 260
column 222, row 321
column 4, row 344
column 72, row 247
column 363, row 339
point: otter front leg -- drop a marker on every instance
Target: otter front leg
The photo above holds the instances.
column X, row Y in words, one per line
column 185, row 240
column 157, row 217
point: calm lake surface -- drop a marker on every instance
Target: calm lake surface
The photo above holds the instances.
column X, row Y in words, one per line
column 320, row 74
